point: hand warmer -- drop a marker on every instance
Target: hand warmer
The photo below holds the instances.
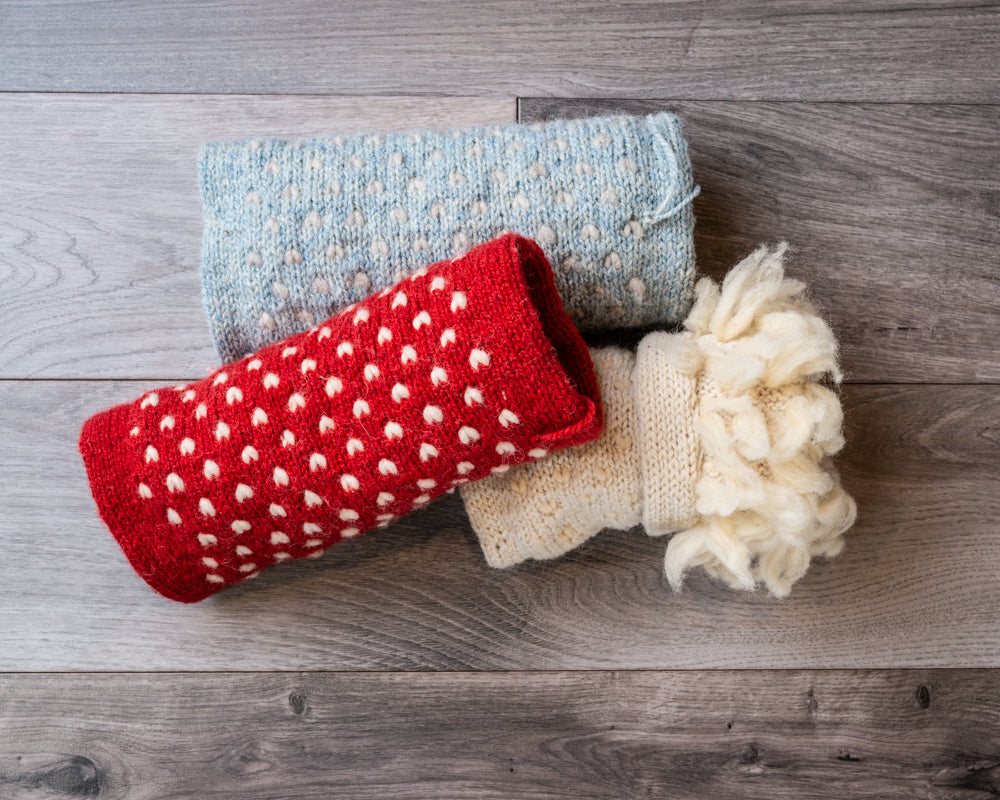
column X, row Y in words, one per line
column 296, row 230
column 721, row 433
column 464, row 368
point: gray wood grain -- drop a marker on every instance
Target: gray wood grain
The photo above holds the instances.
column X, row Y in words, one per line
column 916, row 586
column 803, row 49
column 892, row 213
column 857, row 735
column 100, row 219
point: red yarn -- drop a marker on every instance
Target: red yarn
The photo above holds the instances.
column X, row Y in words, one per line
column 461, row 369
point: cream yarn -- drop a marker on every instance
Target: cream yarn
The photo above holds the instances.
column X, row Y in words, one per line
column 555, row 504
column 768, row 499
column 722, row 432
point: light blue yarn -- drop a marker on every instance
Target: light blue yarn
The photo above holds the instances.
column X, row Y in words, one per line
column 296, row 230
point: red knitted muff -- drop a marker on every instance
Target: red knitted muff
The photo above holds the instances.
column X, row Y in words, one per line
column 461, row 369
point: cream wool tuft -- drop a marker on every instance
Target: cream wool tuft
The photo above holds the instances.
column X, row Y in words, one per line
column 723, row 432
column 768, row 499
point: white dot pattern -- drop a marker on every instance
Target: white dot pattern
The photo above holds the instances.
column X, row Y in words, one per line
column 292, row 212
column 344, row 427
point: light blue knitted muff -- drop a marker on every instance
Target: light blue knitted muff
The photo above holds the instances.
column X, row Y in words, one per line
column 296, row 230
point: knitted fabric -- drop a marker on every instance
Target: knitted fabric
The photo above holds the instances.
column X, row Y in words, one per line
column 559, row 503
column 642, row 469
column 295, row 230
column 722, row 433
column 464, row 368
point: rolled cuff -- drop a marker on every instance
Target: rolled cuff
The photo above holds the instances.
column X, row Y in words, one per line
column 666, row 398
column 548, row 363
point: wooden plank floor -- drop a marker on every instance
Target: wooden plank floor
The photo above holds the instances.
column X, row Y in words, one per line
column 916, row 586
column 685, row 736
column 399, row 665
column 917, row 50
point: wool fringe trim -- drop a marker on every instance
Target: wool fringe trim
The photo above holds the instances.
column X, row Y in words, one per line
column 769, row 499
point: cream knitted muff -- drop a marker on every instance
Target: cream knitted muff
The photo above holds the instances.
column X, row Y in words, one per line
column 721, row 434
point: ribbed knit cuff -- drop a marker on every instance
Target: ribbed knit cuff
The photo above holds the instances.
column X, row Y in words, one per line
column 465, row 368
column 665, row 391
column 547, row 363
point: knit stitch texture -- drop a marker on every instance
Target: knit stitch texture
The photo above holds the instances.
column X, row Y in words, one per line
column 561, row 502
column 641, row 471
column 463, row 369
column 722, row 433
column 295, row 230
